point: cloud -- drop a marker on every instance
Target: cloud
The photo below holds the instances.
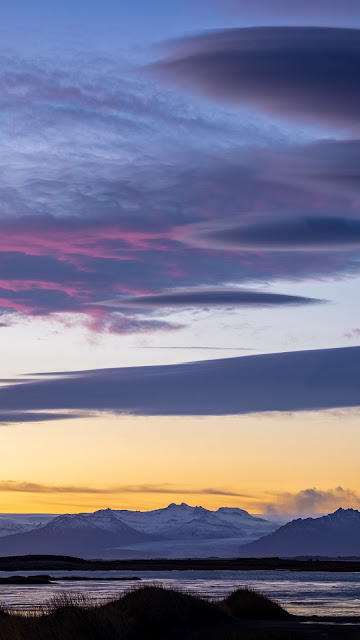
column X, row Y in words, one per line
column 205, row 298
column 170, row 489
column 33, row 487
column 302, row 72
column 329, row 166
column 13, row 417
column 322, row 12
column 313, row 501
column 117, row 323
column 98, row 194
column 298, row 234
column 352, row 333
column 194, row 347
column 293, row 381
column 42, row 273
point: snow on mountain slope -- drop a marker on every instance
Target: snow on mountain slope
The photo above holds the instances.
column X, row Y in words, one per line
column 76, row 534
column 194, row 548
column 176, row 531
column 8, row 527
column 185, row 522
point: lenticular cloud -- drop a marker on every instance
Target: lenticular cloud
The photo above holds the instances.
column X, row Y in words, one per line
column 302, row 72
column 295, row 381
column 299, row 234
column 205, row 298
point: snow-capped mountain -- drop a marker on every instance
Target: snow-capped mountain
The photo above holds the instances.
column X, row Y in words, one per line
column 76, row 534
column 176, row 531
column 183, row 522
column 337, row 534
column 8, row 527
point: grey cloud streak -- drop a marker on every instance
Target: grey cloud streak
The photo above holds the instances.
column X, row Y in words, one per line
column 293, row 381
column 13, row 417
column 208, row 298
column 33, row 487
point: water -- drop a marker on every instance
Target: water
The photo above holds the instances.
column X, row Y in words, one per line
column 301, row 593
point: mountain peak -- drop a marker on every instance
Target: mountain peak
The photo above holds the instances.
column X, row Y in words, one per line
column 183, row 505
column 104, row 512
column 349, row 510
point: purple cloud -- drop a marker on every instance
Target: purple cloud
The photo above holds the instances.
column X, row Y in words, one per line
column 295, row 381
column 99, row 192
column 302, row 72
column 63, row 265
column 328, row 166
column 298, row 234
column 323, row 12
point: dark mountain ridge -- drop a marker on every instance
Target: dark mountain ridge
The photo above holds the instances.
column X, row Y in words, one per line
column 334, row 535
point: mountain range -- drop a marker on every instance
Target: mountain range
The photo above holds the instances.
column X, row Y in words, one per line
column 182, row 531
column 8, row 527
column 183, row 522
column 172, row 531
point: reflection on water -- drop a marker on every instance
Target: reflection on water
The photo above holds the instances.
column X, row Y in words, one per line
column 302, row 593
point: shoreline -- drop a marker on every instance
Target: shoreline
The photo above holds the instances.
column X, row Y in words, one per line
column 69, row 563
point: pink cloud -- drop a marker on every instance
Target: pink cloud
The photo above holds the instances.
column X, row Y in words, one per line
column 69, row 237
column 46, row 285
column 352, row 333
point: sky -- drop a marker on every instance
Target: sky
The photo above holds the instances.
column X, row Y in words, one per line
column 179, row 255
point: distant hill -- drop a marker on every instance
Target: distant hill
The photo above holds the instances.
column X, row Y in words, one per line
column 337, row 534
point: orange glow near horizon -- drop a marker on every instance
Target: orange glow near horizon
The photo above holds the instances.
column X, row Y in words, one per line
column 145, row 463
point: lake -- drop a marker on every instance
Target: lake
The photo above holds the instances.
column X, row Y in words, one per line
column 302, row 593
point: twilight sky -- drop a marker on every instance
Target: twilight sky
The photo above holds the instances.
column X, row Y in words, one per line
column 179, row 191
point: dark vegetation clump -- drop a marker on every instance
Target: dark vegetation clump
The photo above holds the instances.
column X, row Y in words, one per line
column 246, row 604
column 163, row 608
column 147, row 613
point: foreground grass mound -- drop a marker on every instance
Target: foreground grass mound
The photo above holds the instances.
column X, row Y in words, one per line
column 149, row 613
column 246, row 604
column 156, row 607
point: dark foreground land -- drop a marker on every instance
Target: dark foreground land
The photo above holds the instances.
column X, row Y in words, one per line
column 45, row 579
column 68, row 563
column 155, row 613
